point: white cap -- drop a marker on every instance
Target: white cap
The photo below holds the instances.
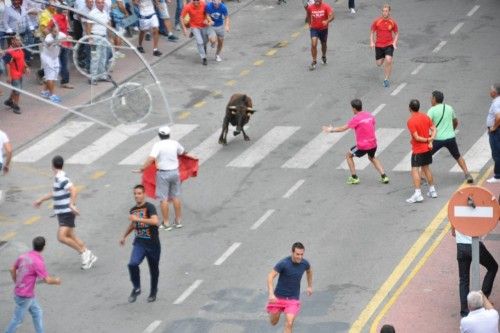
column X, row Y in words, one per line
column 164, row 130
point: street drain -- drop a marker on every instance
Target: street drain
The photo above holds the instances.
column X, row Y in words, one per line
column 432, row 59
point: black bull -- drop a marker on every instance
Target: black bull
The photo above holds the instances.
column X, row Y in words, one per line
column 238, row 112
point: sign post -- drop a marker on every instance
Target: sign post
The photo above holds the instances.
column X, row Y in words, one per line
column 474, row 212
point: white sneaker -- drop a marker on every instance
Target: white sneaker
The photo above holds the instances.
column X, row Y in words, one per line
column 119, row 55
column 353, row 11
column 493, row 180
column 432, row 194
column 218, row 58
column 178, row 27
column 86, row 257
column 91, row 261
column 1, row 196
column 415, row 198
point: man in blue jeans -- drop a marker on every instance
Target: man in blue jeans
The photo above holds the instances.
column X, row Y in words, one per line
column 144, row 221
column 27, row 269
column 493, row 124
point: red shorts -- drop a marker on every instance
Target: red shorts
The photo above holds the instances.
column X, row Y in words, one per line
column 288, row 306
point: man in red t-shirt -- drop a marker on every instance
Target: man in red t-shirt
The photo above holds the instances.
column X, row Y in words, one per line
column 385, row 30
column 319, row 16
column 422, row 132
column 193, row 14
column 15, row 67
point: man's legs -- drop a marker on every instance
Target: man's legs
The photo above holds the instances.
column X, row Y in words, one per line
column 177, row 209
column 388, row 67
column 289, row 319
column 376, row 163
column 156, row 38
column 464, row 260
column 67, row 236
column 164, row 210
column 136, row 258
column 142, row 33
column 153, row 258
column 323, row 49
column 487, row 260
column 314, row 48
column 495, row 151
column 200, row 43
column 415, row 176
column 274, row 318
column 349, row 157
column 37, row 316
column 428, row 174
column 63, row 71
column 22, row 305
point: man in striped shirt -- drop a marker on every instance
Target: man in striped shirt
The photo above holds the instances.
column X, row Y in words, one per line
column 64, row 196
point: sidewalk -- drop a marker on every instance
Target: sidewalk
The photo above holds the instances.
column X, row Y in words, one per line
column 430, row 303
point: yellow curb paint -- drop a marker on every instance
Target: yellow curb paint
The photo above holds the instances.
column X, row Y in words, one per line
column 97, row 174
column 271, row 52
column 404, row 265
column 34, row 170
column 244, row 72
column 184, row 115
column 296, row 34
column 7, row 236
column 231, row 83
column 258, row 62
column 79, row 188
column 200, row 104
column 32, row 220
column 216, row 93
column 283, row 43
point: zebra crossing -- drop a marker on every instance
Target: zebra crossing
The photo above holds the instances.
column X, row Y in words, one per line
column 305, row 156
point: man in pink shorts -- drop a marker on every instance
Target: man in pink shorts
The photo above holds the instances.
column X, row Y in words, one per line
column 285, row 297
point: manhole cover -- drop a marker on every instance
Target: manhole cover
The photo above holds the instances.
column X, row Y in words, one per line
column 432, row 59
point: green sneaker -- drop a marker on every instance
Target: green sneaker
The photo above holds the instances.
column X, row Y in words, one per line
column 385, row 180
column 352, row 181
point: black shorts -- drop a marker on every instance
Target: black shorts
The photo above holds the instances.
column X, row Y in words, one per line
column 419, row 160
column 360, row 153
column 66, row 220
column 450, row 144
column 381, row 52
column 322, row 35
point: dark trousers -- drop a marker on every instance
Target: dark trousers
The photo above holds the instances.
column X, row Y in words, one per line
column 464, row 258
column 495, row 151
column 152, row 255
column 63, row 60
column 351, row 3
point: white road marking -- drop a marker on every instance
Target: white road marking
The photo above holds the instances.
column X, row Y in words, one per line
column 52, row 141
column 226, row 254
column 417, row 69
column 466, row 211
column 404, row 164
column 457, row 27
column 265, row 145
column 385, row 136
column 477, row 156
column 473, row 10
column 139, row 156
column 378, row 109
column 154, row 325
column 439, row 46
column 104, row 144
column 188, row 292
column 313, row 150
column 398, row 89
column 262, row 219
column 294, row 188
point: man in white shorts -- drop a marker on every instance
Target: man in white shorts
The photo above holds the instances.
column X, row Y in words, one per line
column 50, row 62
column 148, row 21
column 162, row 12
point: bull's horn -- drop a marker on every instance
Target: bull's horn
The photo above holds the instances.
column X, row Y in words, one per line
column 232, row 107
column 250, row 109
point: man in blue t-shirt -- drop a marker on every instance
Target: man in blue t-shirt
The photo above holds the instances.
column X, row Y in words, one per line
column 144, row 221
column 285, row 297
column 218, row 25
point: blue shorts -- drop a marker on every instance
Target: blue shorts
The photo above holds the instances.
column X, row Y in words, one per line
column 322, row 35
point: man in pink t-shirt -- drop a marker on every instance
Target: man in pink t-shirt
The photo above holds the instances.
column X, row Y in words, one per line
column 27, row 269
column 363, row 124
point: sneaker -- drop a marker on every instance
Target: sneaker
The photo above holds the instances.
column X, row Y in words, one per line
column 140, row 49
column 157, row 53
column 312, row 66
column 352, row 181
column 119, row 55
column 204, row 61
column 67, row 86
column 469, row 178
column 218, row 58
column 92, row 82
column 432, row 194
column 191, row 35
column 415, row 198
column 323, row 60
column 166, row 227
column 386, row 83
column 136, row 29
column 85, row 257
column 45, row 94
column 9, row 103
column 493, row 180
column 178, row 225
column 90, row 263
column 151, row 298
column 384, row 180
column 173, row 38
column 352, row 10
column 178, row 27
column 16, row 109
column 162, row 226
column 55, row 99
column 133, row 295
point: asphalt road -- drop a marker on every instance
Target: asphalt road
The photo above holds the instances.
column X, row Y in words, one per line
column 354, row 235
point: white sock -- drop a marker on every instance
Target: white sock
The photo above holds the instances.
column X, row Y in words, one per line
column 418, row 191
column 431, row 188
column 170, row 34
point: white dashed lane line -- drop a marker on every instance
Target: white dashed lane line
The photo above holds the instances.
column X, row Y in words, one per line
column 473, row 10
column 188, row 292
column 294, row 188
column 417, row 69
column 262, row 219
column 398, row 89
column 154, row 325
column 378, row 109
column 457, row 27
column 226, row 254
column 439, row 46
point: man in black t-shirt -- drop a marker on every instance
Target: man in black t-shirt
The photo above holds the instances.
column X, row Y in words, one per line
column 144, row 221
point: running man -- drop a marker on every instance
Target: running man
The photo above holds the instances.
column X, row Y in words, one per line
column 385, row 30
column 144, row 220
column 217, row 11
column 444, row 118
column 363, row 124
column 193, row 15
column 64, row 196
column 285, row 297
column 422, row 132
column 319, row 16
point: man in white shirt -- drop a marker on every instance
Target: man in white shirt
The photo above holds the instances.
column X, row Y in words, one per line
column 168, row 184
column 148, row 21
column 482, row 318
column 493, row 125
column 99, row 59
